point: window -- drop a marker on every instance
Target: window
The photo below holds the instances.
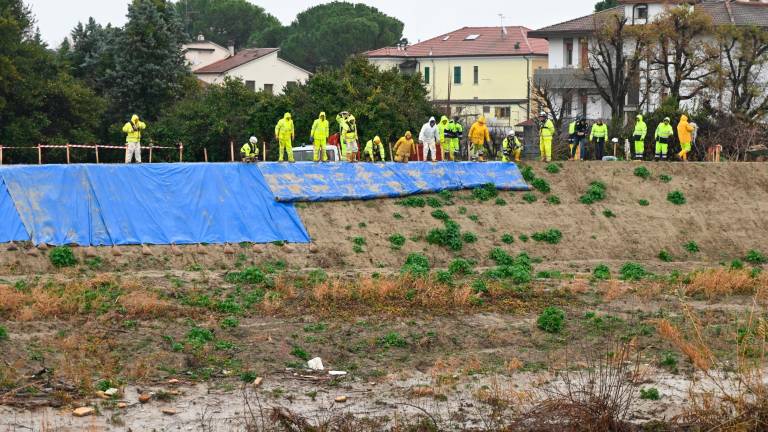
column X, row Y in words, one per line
column 457, row 74
column 426, row 74
column 503, row 112
column 640, row 12
column 269, row 88
column 568, row 107
column 486, row 109
column 472, row 37
column 289, row 84
column 250, row 85
column 477, row 75
column 584, row 45
column 568, row 52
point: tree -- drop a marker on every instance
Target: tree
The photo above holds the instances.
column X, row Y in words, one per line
column 605, row 4
column 92, row 53
column 225, row 21
column 682, row 53
column 150, row 72
column 615, row 57
column 326, row 35
column 741, row 71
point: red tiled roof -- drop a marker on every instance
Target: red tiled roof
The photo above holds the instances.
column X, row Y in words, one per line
column 489, row 42
column 236, row 60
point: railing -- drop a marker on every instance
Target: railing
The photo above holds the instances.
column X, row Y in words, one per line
column 94, row 147
column 565, row 78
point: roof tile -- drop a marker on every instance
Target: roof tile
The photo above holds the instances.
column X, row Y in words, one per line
column 236, row 60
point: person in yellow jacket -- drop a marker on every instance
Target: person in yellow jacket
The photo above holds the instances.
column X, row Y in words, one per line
column 249, row 152
column 663, row 136
column 442, row 128
column 546, row 133
column 372, row 148
column 641, row 130
column 133, row 129
column 319, row 138
column 284, row 134
column 685, row 136
column 404, row 148
column 511, row 146
column 350, row 138
column 478, row 137
column 599, row 136
column 341, row 120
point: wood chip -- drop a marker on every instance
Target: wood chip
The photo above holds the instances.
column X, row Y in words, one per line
column 340, row 399
column 83, row 411
column 169, row 411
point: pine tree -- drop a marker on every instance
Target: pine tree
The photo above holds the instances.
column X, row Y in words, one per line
column 150, row 70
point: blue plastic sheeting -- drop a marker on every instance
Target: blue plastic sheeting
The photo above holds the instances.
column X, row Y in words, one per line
column 150, row 203
column 345, row 181
column 11, row 228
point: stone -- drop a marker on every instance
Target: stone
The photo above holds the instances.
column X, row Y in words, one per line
column 316, row 364
column 229, row 250
column 201, row 250
column 257, row 248
column 313, row 248
column 122, row 405
column 169, row 411
column 12, row 247
column 340, row 399
column 145, row 250
column 90, row 252
column 42, row 246
column 288, row 248
column 101, row 395
column 257, row 382
column 116, row 252
column 173, row 381
column 111, row 391
column 144, row 397
column 83, row 411
column 337, row 373
column 175, row 250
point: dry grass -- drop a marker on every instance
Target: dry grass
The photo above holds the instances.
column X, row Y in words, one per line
column 718, row 283
column 699, row 355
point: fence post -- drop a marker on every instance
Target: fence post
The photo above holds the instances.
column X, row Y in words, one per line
column 96, row 146
column 231, row 151
column 181, row 151
column 1, row 154
column 39, row 155
column 264, row 155
column 150, row 151
column 205, row 154
column 67, row 153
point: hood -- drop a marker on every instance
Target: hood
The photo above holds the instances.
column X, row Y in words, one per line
column 684, row 119
column 322, row 115
column 431, row 119
column 287, row 116
column 134, row 119
column 377, row 140
column 481, row 120
column 666, row 119
column 408, row 135
column 444, row 120
column 351, row 119
column 639, row 117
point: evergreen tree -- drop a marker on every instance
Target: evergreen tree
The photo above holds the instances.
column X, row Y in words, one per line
column 225, row 21
column 605, row 4
column 92, row 53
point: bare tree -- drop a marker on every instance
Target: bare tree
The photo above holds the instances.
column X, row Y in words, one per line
column 741, row 70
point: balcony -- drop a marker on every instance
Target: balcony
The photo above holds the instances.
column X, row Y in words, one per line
column 564, row 78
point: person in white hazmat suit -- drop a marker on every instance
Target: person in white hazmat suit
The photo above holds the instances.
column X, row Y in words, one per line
column 429, row 137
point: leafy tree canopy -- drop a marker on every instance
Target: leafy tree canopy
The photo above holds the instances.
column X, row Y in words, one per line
column 224, row 21
column 605, row 4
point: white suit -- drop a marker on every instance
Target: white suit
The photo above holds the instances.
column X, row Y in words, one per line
column 429, row 137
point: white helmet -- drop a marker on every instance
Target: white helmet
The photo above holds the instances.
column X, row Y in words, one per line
column 510, row 132
column 543, row 114
column 253, row 140
column 615, row 140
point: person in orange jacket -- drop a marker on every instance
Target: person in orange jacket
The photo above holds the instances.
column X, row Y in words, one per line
column 685, row 135
column 478, row 137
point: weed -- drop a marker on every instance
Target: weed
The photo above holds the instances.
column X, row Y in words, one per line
column 485, row 192
column 665, row 256
column 95, row 263
column 644, row 203
column 553, row 168
column 553, row 199
column 397, row 216
column 551, row 320
column 412, row 201
column 222, row 345
column 528, row 174
column 691, row 247
column 359, row 241
column 248, row 376
column 392, row 339
column 541, row 185
column 441, row 215
column 529, row 197
column 501, row 257
column 553, row 274
column 444, row 277
column 474, row 218
column 449, row 237
column 633, row 272
column 669, row 361
column 507, row 239
column 3, row 333
column 595, row 193
column 500, row 202
column 105, row 385
column 523, row 238
column 446, row 195
column 479, row 286
column 601, row 272
column 62, row 256
column 737, row 264
column 468, row 237
column 315, row 328
column 434, row 202
column 651, row 393
column 250, row 275
column 396, row 241
column 551, row 236
column 642, row 172
column 416, row 265
column 229, row 322
column 664, row 178
column 608, row 213
column 199, row 336
column 755, row 257
column 299, row 352
column 676, row 197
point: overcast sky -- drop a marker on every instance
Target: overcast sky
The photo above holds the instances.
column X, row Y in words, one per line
column 423, row 19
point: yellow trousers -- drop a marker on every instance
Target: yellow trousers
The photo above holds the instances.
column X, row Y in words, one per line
column 287, row 147
column 319, row 147
column 545, row 146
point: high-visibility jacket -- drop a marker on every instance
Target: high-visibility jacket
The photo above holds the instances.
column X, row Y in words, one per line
column 405, row 146
column 516, row 141
column 547, row 130
column 349, row 132
column 599, row 131
column 441, row 128
column 572, row 128
column 249, row 150
column 478, row 133
column 454, row 131
column 284, row 129
column 133, row 129
column 320, row 129
column 664, row 131
column 684, row 130
column 641, row 129
column 370, row 147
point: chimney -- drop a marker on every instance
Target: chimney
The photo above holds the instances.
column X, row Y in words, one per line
column 200, row 38
column 231, row 48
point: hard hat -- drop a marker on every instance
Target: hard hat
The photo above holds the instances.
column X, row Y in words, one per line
column 253, row 140
column 510, row 132
column 542, row 114
column 667, row 119
column 615, row 140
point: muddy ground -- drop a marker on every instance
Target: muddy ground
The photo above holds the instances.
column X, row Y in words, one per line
column 193, row 327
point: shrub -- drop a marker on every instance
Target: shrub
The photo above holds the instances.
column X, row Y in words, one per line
column 469, row 237
column 541, row 185
column 412, row 201
column 392, row 339
column 248, row 376
column 596, row 192
column 609, row 214
column 553, row 199
column 251, row 275
column 500, row 202
column 601, row 272
column 676, row 197
column 501, row 257
column 299, row 352
column 485, row 192
column 517, row 269
column 642, row 172
column 551, row 320
column 478, row 286
column 449, row 237
column 665, row 256
column 441, row 215
column 633, row 272
column 3, row 333
column 664, row 178
column 529, row 197
column 62, row 256
column 433, row 202
column 460, row 266
column 691, row 247
column 416, row 265
column 651, row 393
column 198, row 336
column 755, row 257
column 444, row 277
column 229, row 322
column 527, row 173
column 551, row 236
column 396, row 241
column 553, row 168
column 507, row 239
column 644, row 203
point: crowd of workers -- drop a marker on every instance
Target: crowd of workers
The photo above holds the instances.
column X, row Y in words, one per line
column 447, row 134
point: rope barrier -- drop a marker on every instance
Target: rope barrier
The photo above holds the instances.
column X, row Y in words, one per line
column 94, row 147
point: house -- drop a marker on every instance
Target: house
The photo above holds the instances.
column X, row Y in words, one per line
column 569, row 54
column 260, row 68
column 474, row 70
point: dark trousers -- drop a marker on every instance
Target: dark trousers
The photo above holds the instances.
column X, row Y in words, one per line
column 599, row 148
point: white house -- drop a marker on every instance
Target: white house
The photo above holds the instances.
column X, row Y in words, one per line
column 201, row 53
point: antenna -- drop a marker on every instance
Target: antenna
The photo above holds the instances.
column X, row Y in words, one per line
column 503, row 29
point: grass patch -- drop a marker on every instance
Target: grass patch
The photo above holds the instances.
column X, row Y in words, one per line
column 460, row 266
column 469, row 237
column 527, row 173
column 529, row 197
column 601, row 272
column 551, row 320
column 608, row 213
column 691, row 247
column 416, row 265
column 440, row 215
column 392, row 340
column 755, row 257
column 651, row 393
column 552, row 168
column 541, row 185
column 412, row 201
column 433, row 202
column 676, row 197
column 3, row 333
column 250, row 275
column 595, row 193
column 507, row 239
column 229, row 322
column 523, row 238
column 485, row 192
column 664, row 178
column 397, row 216
column 500, row 202
column 553, row 199
column 644, row 203
column 633, row 272
column 299, row 352
column 396, row 241
column 449, row 236
column 642, row 172
column 665, row 256
column 62, row 256
column 551, row 236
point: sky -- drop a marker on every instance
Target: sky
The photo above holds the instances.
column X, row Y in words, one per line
column 423, row 19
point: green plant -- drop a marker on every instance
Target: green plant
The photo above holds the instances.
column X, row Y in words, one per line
column 527, row 173
column 553, row 168
column 500, row 256
column 444, row 277
column 523, row 238
column 633, row 272
column 434, row 202
column 551, row 320
column 665, row 256
column 396, row 241
column 397, row 216
column 500, row 202
column 553, row 199
column 691, row 247
column 412, row 201
column 449, row 237
column 360, row 241
column 357, row 249
column 608, row 213
column 737, row 264
column 485, row 192
column 392, row 339
column 462, row 210
column 595, row 193
column 3, row 333
column 95, row 263
column 446, row 195
column 250, row 275
column 651, row 393
column 416, row 265
column 669, row 361
column 642, row 172
column 601, row 272
column 198, row 336
column 551, row 236
column 62, row 256
column 229, row 322
column 299, row 352
column 507, row 239
column 441, row 215
column 248, row 376
column 755, row 257
column 460, row 266
column 664, row 178
column 105, row 384
column 676, row 197
column 362, row 225
column 474, row 218
column 529, row 197
column 469, row 237
column 644, row 203
column 541, row 185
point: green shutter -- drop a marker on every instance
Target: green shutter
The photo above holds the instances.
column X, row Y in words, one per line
column 426, row 74
column 457, row 74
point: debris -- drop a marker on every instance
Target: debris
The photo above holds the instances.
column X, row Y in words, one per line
column 111, row 391
column 83, row 411
column 169, row 411
column 145, row 250
column 340, row 399
column 144, row 397
column 337, row 373
column 257, row 382
column 315, row 364
column 122, row 405
column 228, row 250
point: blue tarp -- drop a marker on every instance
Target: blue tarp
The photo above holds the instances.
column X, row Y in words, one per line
column 151, row 203
column 343, row 181
column 11, row 228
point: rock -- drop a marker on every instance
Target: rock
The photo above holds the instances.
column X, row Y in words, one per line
column 145, row 250
column 116, row 252
column 229, row 250
column 340, row 399
column 12, row 247
column 257, row 382
column 201, row 250
column 42, row 246
column 316, row 364
column 83, row 412
column 313, row 248
column 257, row 248
column 337, row 373
column 175, row 250
column 169, row 411
column 90, row 252
column 101, row 395
column 122, row 405
column 111, row 391
column 421, row 391
column 173, row 381
column 144, row 397
column 32, row 252
column 288, row 248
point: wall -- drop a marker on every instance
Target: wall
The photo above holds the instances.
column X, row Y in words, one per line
column 386, row 63
column 266, row 70
column 198, row 58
